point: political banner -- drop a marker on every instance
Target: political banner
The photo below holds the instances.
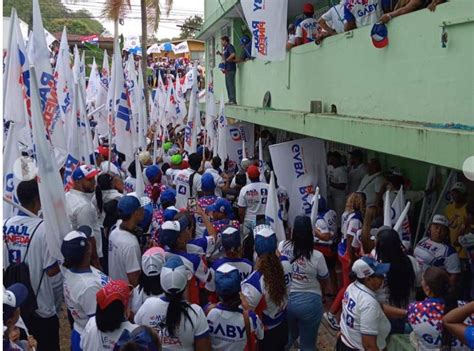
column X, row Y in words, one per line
column 237, row 135
column 267, row 22
column 10, row 154
column 194, row 119
column 103, row 88
column 220, row 143
column 273, row 213
column 300, row 167
column 181, row 48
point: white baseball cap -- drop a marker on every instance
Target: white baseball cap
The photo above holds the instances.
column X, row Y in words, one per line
column 174, row 275
column 152, row 261
column 367, row 266
column 440, row 219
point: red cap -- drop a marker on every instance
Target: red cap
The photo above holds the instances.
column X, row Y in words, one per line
column 112, row 291
column 253, row 172
column 308, row 8
column 103, row 151
column 185, row 165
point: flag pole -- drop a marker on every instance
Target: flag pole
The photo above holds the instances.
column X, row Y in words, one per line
column 400, row 220
column 18, row 206
column 423, row 204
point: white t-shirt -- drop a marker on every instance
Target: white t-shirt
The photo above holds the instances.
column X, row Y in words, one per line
column 354, row 177
column 351, row 224
column 80, row 290
column 124, row 254
column 429, row 253
column 254, row 198
column 94, row 339
column 182, row 186
column 306, row 273
column 307, row 29
column 81, row 211
column 129, row 184
column 364, row 13
column 227, row 328
column 171, row 175
column 153, row 314
column 138, row 298
column 218, row 180
column 338, row 176
column 17, row 233
column 256, row 294
column 326, row 224
column 362, row 314
column 334, row 17
column 370, row 185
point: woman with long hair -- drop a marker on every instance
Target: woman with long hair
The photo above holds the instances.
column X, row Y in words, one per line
column 351, row 222
column 400, row 283
column 426, row 317
column 228, row 314
column 179, row 324
column 103, row 331
column 266, row 290
column 149, row 282
column 309, row 275
column 108, row 192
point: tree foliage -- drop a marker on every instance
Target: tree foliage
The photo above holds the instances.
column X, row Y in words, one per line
column 190, row 27
column 55, row 16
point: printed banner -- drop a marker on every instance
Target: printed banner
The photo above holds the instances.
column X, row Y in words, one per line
column 181, row 48
column 300, row 167
column 267, row 22
column 235, row 134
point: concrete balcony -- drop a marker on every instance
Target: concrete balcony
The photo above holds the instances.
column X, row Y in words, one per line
column 414, row 98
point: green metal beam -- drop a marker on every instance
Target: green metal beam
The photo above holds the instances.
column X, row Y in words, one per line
column 444, row 147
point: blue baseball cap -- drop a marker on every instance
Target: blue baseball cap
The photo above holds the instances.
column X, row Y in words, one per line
column 13, row 297
column 379, row 35
column 74, row 244
column 128, row 204
column 151, row 172
column 207, row 182
column 84, row 171
column 169, row 195
column 147, row 217
column 366, row 266
column 244, row 40
column 169, row 213
column 227, row 280
column 170, row 231
column 230, row 238
column 222, row 206
column 265, row 239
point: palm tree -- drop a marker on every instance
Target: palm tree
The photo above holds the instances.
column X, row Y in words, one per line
column 150, row 14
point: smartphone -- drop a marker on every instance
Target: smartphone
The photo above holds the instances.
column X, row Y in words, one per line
column 192, row 204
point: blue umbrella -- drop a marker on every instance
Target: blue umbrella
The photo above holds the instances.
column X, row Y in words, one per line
column 135, row 50
column 167, row 47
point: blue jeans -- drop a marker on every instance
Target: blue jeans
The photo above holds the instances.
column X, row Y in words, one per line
column 305, row 311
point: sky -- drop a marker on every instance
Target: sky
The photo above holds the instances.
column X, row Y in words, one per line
column 132, row 26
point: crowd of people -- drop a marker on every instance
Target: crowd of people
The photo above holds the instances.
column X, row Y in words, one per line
column 193, row 264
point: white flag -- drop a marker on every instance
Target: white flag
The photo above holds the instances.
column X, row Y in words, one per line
column 221, row 131
column 194, row 118
column 211, row 114
column 261, row 163
column 315, row 207
column 267, row 22
column 244, row 149
column 273, row 212
column 93, row 86
column 38, row 53
column 387, row 209
column 122, row 114
column 15, row 99
column 142, row 117
column 398, row 205
column 53, row 201
column 103, row 88
column 10, row 155
column 181, row 110
column 135, row 99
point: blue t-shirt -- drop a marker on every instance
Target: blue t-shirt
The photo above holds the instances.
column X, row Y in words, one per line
column 229, row 50
column 469, row 336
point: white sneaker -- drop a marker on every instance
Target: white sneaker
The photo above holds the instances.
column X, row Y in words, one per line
column 331, row 320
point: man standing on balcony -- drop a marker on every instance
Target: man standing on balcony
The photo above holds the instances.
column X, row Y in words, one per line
column 229, row 58
column 307, row 29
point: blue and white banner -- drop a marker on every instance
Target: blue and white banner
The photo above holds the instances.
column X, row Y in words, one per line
column 300, row 166
column 267, row 22
column 238, row 135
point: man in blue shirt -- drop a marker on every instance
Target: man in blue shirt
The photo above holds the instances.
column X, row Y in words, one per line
column 229, row 58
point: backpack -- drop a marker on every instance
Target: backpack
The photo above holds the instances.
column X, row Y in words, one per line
column 20, row 273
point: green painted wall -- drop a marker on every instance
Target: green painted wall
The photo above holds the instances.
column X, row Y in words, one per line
column 413, row 79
